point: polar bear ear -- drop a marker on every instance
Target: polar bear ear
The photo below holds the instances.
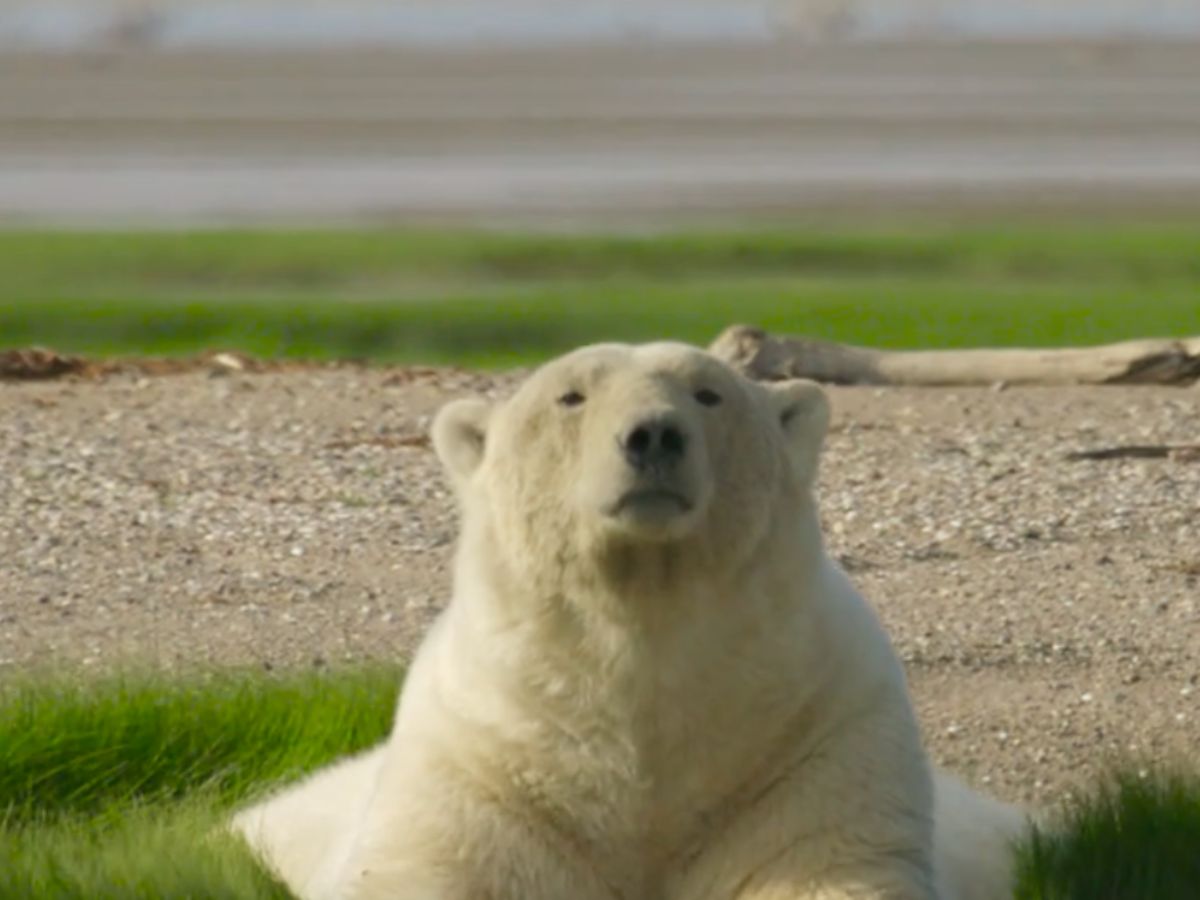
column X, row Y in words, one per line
column 802, row 409
column 459, row 436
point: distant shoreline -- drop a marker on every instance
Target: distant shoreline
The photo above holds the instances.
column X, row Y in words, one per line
column 590, row 137
column 288, row 24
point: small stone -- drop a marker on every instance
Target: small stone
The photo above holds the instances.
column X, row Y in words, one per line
column 225, row 364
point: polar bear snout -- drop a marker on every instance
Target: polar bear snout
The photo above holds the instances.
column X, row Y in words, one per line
column 656, row 483
column 655, row 442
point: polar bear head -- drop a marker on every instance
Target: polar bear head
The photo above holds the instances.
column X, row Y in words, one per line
column 615, row 453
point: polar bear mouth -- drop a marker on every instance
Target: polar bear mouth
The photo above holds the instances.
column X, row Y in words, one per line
column 654, row 502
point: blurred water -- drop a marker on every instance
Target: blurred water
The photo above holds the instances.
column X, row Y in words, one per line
column 706, row 114
column 305, row 23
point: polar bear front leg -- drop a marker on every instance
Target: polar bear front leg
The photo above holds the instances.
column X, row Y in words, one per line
column 856, row 883
column 852, row 821
column 804, row 872
column 431, row 835
column 827, row 863
column 511, row 879
column 520, row 869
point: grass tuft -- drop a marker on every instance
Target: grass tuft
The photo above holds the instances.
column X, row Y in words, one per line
column 70, row 747
column 73, row 747
column 118, row 787
column 1136, row 838
column 143, row 851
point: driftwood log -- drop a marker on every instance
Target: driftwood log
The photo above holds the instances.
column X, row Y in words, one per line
column 771, row 358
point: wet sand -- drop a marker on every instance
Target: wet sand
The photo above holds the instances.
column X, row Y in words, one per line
column 626, row 135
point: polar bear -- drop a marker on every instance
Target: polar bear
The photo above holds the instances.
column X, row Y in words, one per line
column 651, row 682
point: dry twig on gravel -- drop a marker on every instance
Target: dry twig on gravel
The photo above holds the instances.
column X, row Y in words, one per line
column 1180, row 452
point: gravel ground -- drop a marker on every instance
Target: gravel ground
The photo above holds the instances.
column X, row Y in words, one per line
column 1047, row 609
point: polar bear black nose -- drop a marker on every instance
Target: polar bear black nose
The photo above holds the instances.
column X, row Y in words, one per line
column 654, row 442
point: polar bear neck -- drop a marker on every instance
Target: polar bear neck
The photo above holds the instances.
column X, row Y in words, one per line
column 619, row 597
column 564, row 682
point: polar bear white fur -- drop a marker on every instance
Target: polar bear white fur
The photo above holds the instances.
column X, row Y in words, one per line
column 651, row 682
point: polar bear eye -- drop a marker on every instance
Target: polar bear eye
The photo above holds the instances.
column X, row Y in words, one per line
column 571, row 398
column 706, row 397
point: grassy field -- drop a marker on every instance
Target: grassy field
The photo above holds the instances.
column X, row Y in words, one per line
column 494, row 299
column 114, row 790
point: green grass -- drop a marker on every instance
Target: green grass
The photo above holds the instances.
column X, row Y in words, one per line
column 493, row 299
column 145, row 852
column 1135, row 838
column 117, row 788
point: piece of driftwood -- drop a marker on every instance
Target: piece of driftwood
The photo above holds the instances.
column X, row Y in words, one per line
column 35, row 363
column 771, row 358
column 1182, row 452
